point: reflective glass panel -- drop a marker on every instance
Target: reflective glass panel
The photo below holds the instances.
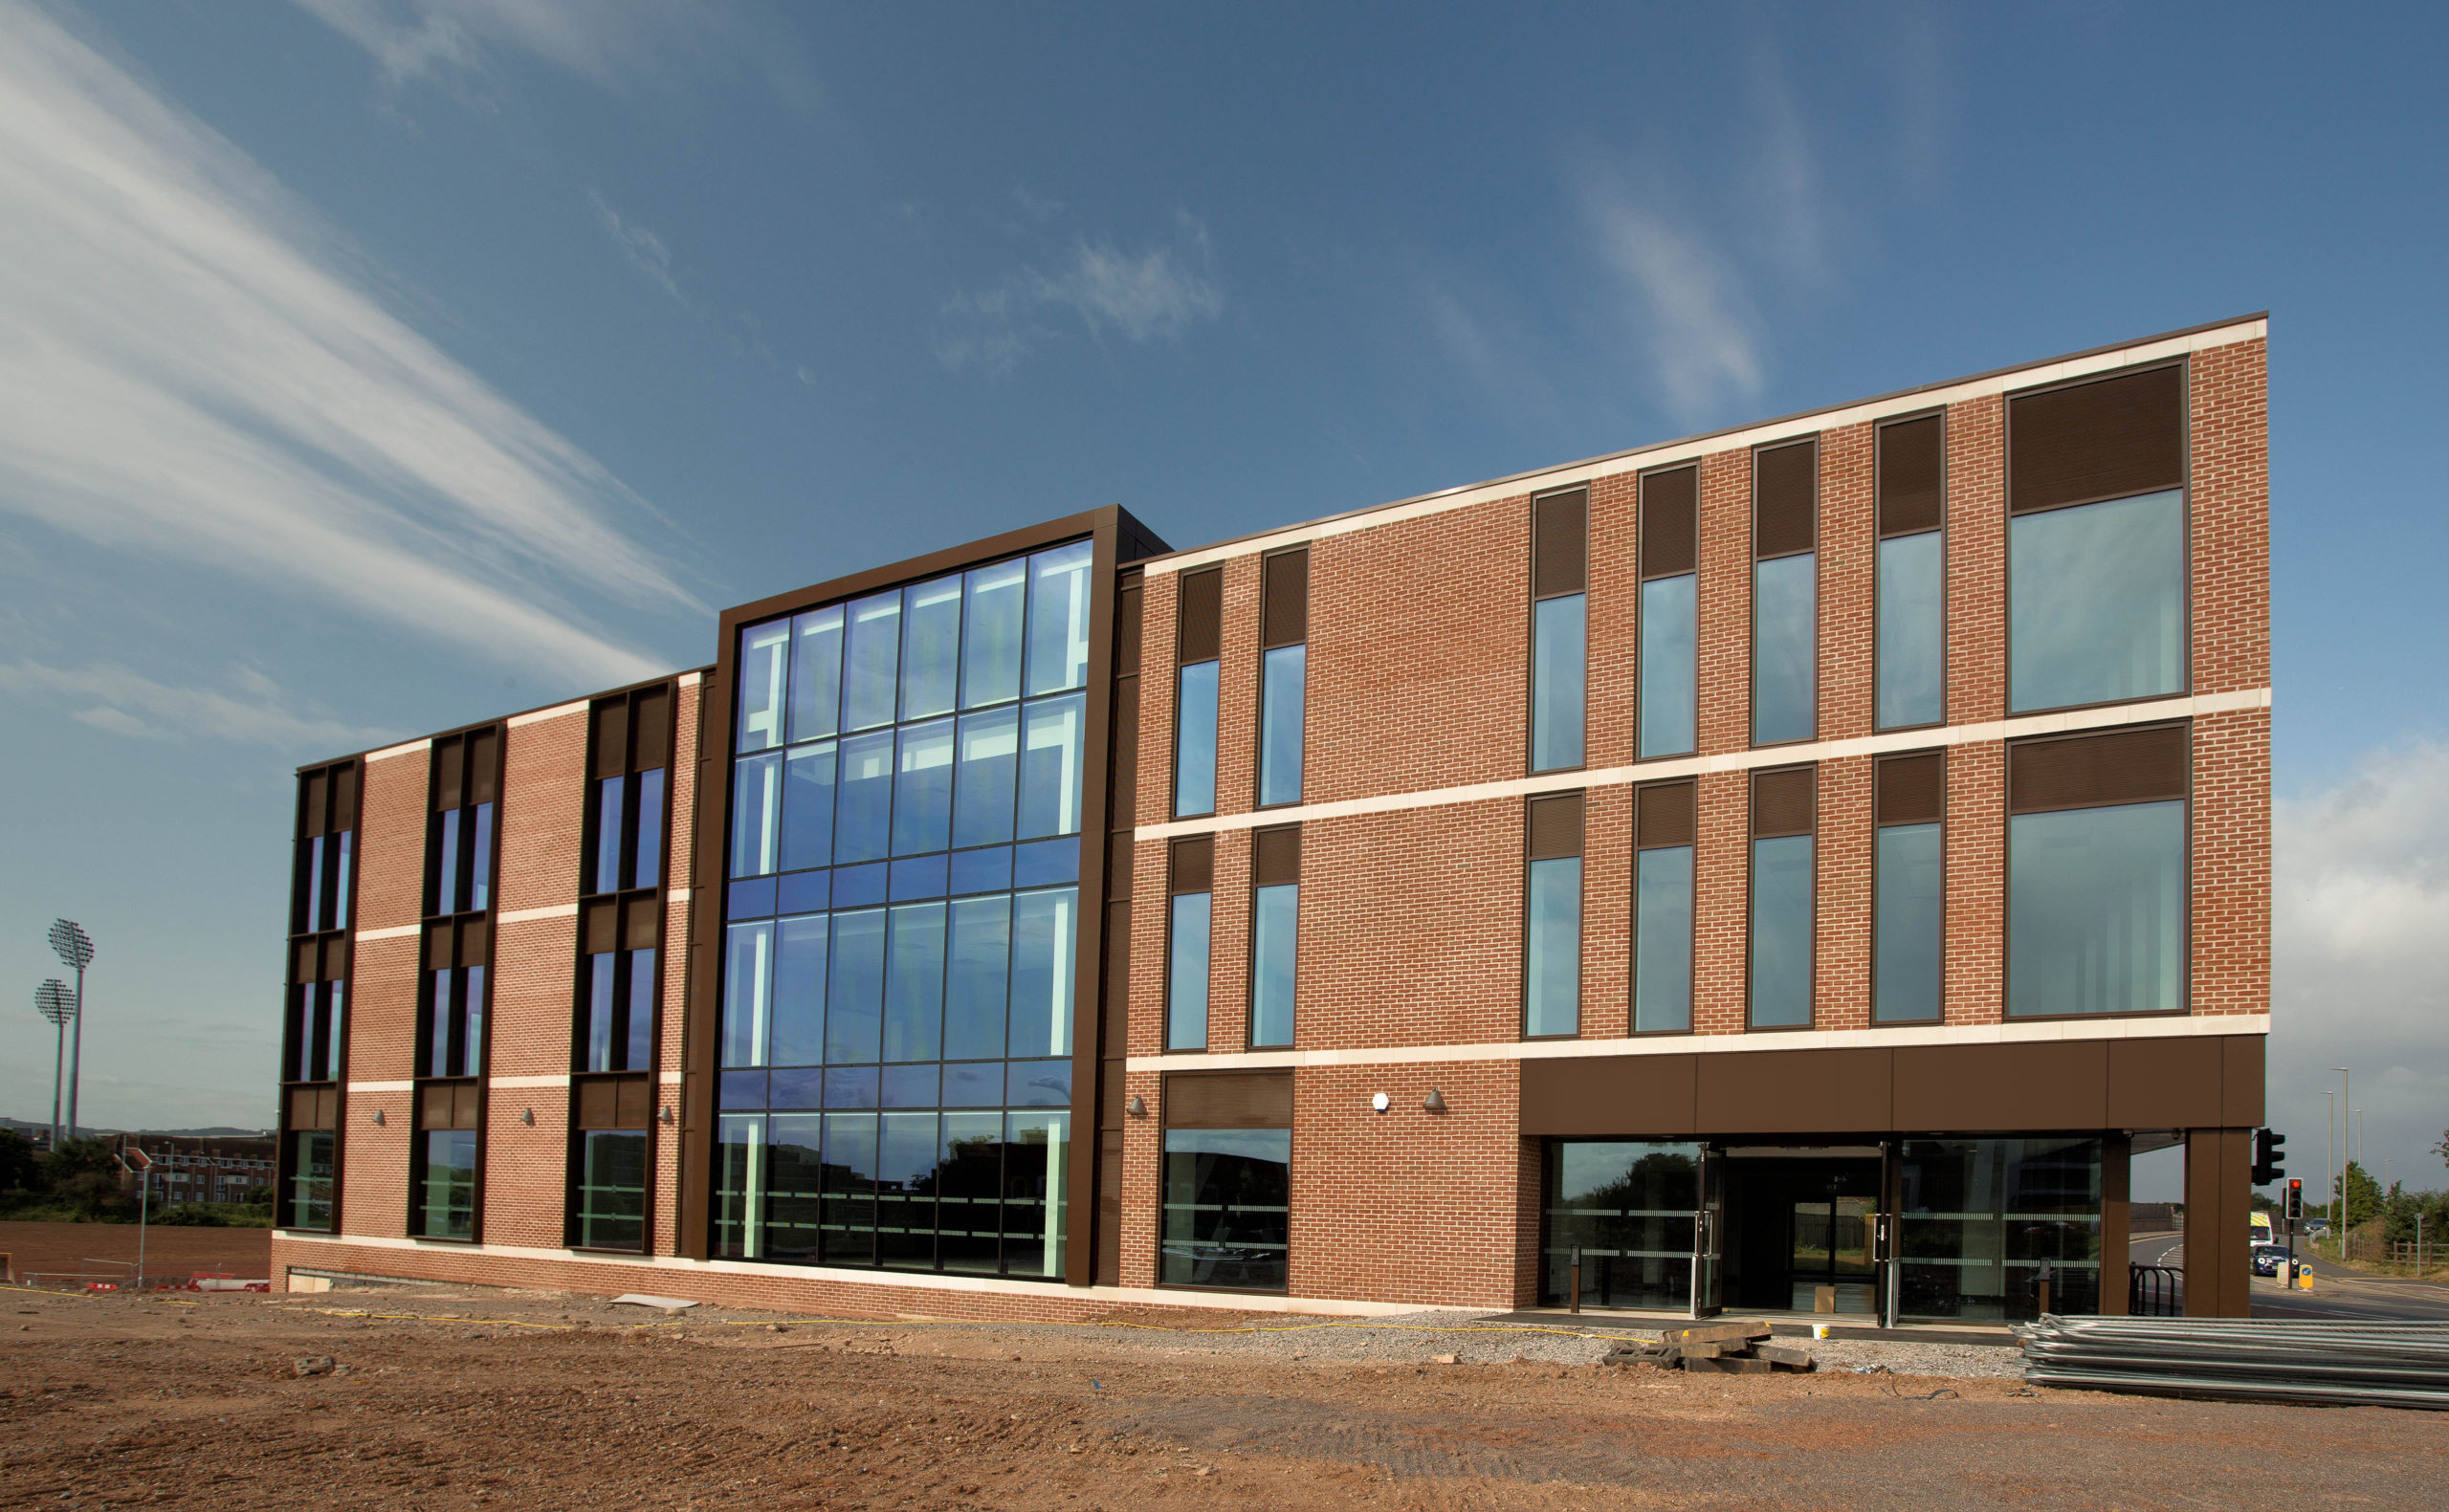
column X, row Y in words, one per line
column 922, row 790
column 1785, row 600
column 1186, row 974
column 1044, row 934
column 862, row 801
column 1912, row 630
column 748, row 963
column 797, row 1004
column 480, row 868
column 987, row 777
column 992, row 635
column 1228, row 1205
column 764, row 649
column 849, row 1183
column 1194, row 740
column 613, row 1190
column 1628, row 1213
column 1552, row 976
column 2096, row 602
column 1780, row 985
column 807, row 808
column 914, row 989
column 647, row 864
column 1281, row 674
column 1663, row 939
column 756, row 814
column 448, row 1203
column 1051, row 732
column 1906, row 942
column 872, row 662
column 1558, row 681
column 1275, row 930
column 599, row 980
column 793, row 1187
column 1667, row 638
column 931, row 651
column 1058, row 650
column 906, row 1191
column 2096, row 910
column 1037, row 1152
column 854, row 1000
column 740, row 1187
column 816, row 674
column 969, row 1195
column 976, row 978
column 1981, row 1219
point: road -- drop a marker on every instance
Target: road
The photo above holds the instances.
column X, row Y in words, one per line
column 2338, row 1293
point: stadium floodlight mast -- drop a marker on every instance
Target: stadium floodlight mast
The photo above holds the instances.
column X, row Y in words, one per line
column 76, row 949
column 53, row 1002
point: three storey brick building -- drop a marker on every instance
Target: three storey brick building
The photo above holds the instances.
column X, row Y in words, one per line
column 1797, row 866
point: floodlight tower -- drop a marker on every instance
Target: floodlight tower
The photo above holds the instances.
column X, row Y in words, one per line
column 75, row 948
column 53, row 1002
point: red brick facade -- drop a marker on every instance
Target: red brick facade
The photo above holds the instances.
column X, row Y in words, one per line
column 1412, row 863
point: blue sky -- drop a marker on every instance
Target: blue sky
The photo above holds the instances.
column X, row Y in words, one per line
column 367, row 367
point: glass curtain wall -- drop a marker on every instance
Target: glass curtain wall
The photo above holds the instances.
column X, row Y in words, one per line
column 902, row 915
column 1629, row 1211
column 1980, row 1219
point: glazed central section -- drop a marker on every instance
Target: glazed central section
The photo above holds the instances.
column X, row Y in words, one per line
column 901, row 917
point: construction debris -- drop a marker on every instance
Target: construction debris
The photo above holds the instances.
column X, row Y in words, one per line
column 2261, row 1359
column 1722, row 1348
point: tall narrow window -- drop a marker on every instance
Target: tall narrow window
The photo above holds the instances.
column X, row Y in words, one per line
column 628, row 738
column 617, row 984
column 2096, row 874
column 450, row 1039
column 445, row 1174
column 2096, row 541
column 1913, row 572
column 1228, row 1180
column 1198, row 643
column 1663, row 837
column 1669, row 623
column 1551, row 937
column 459, row 870
column 1559, row 627
column 1189, row 884
column 1781, row 899
column 1910, row 799
column 1283, row 669
column 614, row 1123
column 1275, row 927
column 1785, row 592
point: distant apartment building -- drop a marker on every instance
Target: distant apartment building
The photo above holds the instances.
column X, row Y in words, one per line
column 207, row 1167
column 1798, row 866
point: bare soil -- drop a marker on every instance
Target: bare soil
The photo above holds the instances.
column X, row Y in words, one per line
column 456, row 1398
column 107, row 1251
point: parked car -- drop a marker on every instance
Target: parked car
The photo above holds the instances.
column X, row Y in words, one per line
column 2269, row 1257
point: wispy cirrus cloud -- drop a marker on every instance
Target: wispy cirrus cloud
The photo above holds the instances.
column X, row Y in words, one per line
column 1158, row 294
column 456, row 42
column 197, row 371
column 640, row 247
column 1686, row 294
column 250, row 707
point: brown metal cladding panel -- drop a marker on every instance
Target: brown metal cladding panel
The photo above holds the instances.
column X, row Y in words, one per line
column 449, row 768
column 1560, row 543
column 1911, row 789
column 1634, row 1096
column 1109, row 1264
column 2101, row 440
column 1229, row 1100
column 434, row 1107
column 2117, row 1191
column 1118, row 1003
column 1670, row 522
column 437, row 946
column 633, row 1102
column 1126, row 627
column 1109, row 1097
column 1794, row 1093
column 1785, row 491
column 343, row 798
column 1126, row 748
column 1555, row 826
column 599, row 928
column 1913, row 487
column 1199, row 634
column 607, row 737
column 2130, row 766
column 2242, row 1072
column 653, row 735
column 335, row 958
column 301, row 966
column 313, row 813
column 2218, row 1281
column 484, row 766
column 1663, row 816
column 643, row 922
column 2163, row 1084
column 1976, row 1087
column 1120, row 849
column 1194, row 864
column 1283, row 587
column 1782, row 802
column 598, row 1104
column 473, row 942
column 1275, row 857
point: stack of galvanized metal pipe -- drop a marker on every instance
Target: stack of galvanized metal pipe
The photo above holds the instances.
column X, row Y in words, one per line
column 2262, row 1359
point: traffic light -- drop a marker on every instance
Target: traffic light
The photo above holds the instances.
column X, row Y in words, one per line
column 2269, row 1150
column 2295, row 1200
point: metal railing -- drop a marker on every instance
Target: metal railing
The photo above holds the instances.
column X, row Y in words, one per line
column 2154, row 1291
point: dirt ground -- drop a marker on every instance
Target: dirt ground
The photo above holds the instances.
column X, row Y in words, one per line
column 464, row 1399
column 104, row 1250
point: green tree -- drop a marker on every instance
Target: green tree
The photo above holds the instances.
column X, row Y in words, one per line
column 19, row 1165
column 2443, row 1149
column 2360, row 1191
column 83, row 1175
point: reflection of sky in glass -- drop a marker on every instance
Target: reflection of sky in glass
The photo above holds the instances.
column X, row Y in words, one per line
column 2096, row 602
column 1785, row 636
column 1905, row 958
column 2096, row 910
column 1781, row 932
column 1912, row 630
column 1666, row 669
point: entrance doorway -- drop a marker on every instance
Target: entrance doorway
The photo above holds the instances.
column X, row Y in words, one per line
column 1800, row 1228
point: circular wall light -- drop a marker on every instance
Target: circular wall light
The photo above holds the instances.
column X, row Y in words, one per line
column 1380, row 1101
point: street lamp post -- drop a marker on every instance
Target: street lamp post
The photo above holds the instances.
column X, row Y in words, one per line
column 53, row 1002
column 76, row 949
column 2346, row 1101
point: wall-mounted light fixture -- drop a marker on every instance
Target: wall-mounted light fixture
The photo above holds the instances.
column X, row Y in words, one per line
column 1435, row 1102
column 527, row 1116
column 378, row 1117
column 665, row 1116
column 1138, row 1106
column 1380, row 1102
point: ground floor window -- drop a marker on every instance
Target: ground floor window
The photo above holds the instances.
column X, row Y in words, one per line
column 446, row 1186
column 1627, row 1211
column 613, row 1190
column 1983, row 1219
column 979, row 1193
column 1228, row 1206
column 311, row 1161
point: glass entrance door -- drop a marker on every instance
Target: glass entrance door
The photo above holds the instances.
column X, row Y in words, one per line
column 1709, row 1238
column 1828, row 1263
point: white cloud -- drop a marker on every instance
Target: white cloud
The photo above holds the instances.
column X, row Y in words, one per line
column 453, row 42
column 194, row 371
column 642, row 248
column 1157, row 294
column 1688, row 300
column 123, row 702
column 2360, row 961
